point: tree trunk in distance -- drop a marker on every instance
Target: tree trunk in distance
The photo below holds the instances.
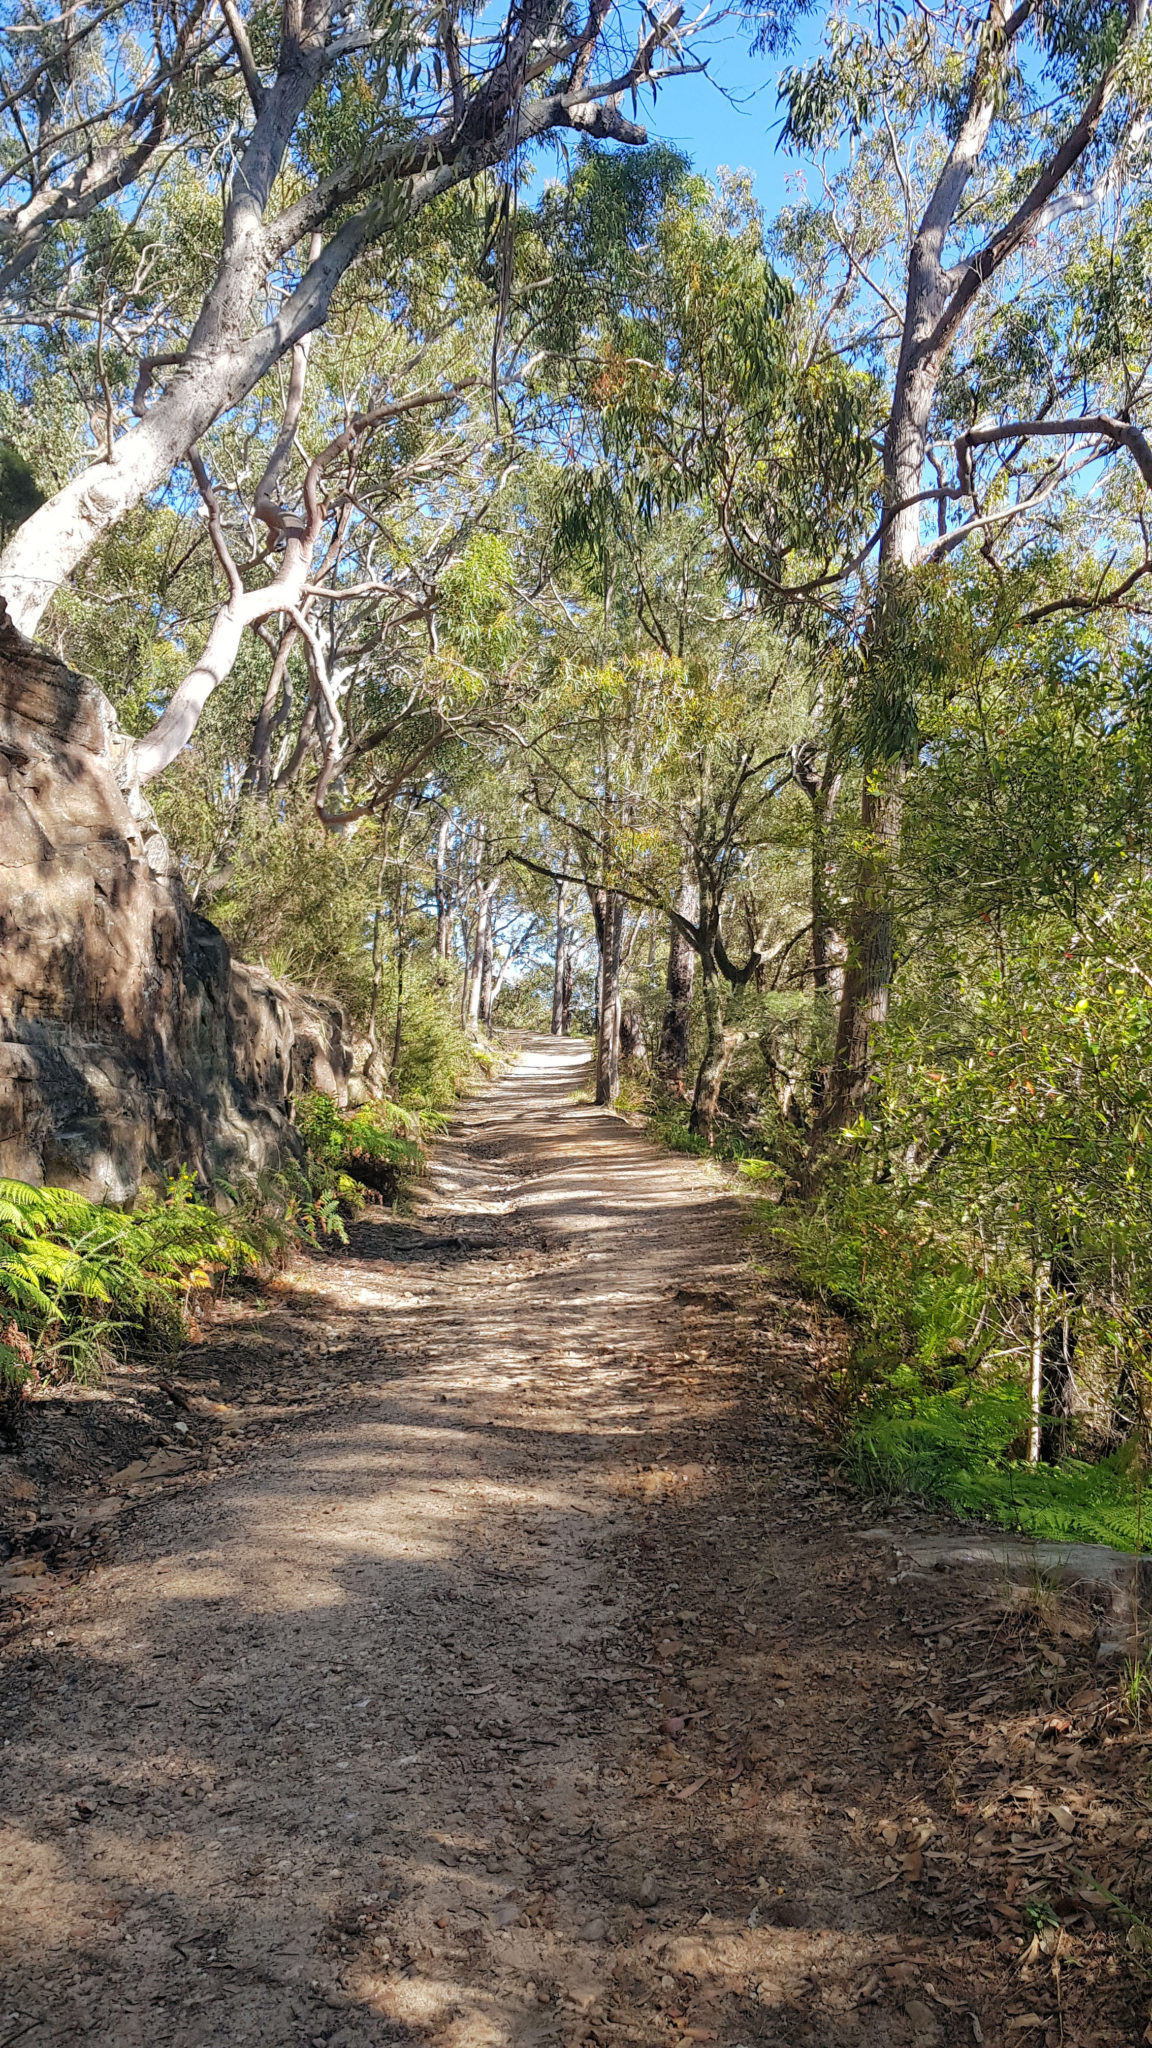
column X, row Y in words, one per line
column 566, row 993
column 718, row 1048
column 1036, row 1363
column 672, row 1052
column 608, row 910
column 598, row 993
column 486, row 991
column 443, row 907
column 377, row 969
column 401, row 950
column 558, row 962
column 477, row 971
column 1060, row 1357
column 466, row 978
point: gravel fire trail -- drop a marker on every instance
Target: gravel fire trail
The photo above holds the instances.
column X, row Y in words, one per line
column 534, row 1690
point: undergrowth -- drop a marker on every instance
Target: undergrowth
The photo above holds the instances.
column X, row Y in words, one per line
column 378, row 1146
column 931, row 1397
column 667, row 1120
column 80, row 1281
column 958, row 1447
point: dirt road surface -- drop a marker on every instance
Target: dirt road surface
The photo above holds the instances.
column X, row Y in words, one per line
column 510, row 1673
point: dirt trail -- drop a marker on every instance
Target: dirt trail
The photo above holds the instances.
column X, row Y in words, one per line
column 537, row 1689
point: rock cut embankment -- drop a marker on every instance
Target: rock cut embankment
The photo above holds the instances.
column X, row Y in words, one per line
column 131, row 1042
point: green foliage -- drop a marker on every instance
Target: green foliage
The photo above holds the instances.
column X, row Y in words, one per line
column 834, row 95
column 79, row 1277
column 683, row 352
column 20, row 494
column 911, row 1297
column 667, row 1121
column 1006, row 1150
column 297, row 898
column 436, row 1058
column 377, row 1146
column 963, row 1448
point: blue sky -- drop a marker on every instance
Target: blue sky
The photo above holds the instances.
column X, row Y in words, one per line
column 740, row 130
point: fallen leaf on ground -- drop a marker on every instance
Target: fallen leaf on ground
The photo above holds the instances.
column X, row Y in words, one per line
column 923, row 2020
column 688, row 1790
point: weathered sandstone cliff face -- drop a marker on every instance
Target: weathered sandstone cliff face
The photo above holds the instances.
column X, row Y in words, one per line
column 131, row 1042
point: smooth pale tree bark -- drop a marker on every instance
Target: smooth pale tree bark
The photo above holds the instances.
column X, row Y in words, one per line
column 234, row 341
column 481, row 949
column 514, row 953
column 939, row 297
column 476, row 970
column 559, row 965
column 172, row 732
column 675, row 1025
column 287, row 593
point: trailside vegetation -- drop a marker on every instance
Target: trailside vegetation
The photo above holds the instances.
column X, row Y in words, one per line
column 540, row 591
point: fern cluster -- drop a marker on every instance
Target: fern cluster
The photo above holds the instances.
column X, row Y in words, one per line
column 77, row 1276
column 958, row 1447
column 79, row 1279
column 378, row 1146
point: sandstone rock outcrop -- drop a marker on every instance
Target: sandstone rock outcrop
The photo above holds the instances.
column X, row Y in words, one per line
column 131, row 1043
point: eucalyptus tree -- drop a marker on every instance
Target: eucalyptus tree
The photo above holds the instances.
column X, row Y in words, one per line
column 660, row 745
column 313, row 135
column 953, row 327
column 679, row 382
column 688, row 382
column 342, row 597
column 970, row 165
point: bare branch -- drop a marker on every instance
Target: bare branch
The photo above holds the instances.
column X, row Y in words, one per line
column 243, row 49
column 216, row 533
column 1120, row 433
